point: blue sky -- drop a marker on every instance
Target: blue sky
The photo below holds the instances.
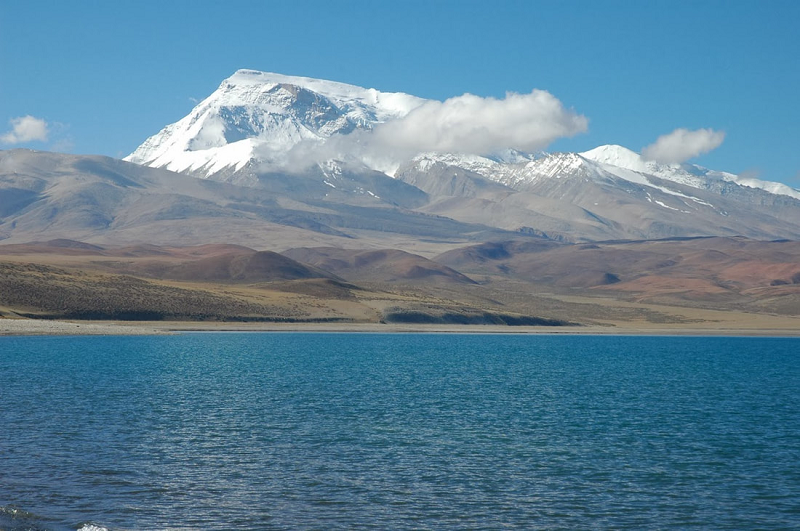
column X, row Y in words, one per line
column 106, row 75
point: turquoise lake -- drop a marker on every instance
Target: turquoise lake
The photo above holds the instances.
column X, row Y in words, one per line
column 399, row 431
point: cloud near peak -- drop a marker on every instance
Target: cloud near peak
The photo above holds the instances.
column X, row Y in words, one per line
column 464, row 124
column 682, row 145
column 476, row 125
column 26, row 129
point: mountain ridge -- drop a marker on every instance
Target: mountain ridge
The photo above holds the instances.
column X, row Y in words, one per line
column 231, row 147
column 256, row 116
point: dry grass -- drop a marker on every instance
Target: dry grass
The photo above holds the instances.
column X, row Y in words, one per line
column 37, row 290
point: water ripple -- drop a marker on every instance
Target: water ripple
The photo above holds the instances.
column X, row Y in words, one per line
column 296, row 431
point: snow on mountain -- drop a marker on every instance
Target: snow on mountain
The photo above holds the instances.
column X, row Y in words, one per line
column 259, row 117
column 493, row 168
column 264, row 113
column 603, row 165
column 615, row 157
column 529, row 171
column 771, row 187
column 600, row 164
column 573, row 165
column 480, row 165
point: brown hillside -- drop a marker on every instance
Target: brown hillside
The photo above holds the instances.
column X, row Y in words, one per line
column 717, row 272
column 263, row 266
column 384, row 265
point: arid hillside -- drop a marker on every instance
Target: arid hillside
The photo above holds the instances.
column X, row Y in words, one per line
column 68, row 279
column 678, row 282
column 717, row 273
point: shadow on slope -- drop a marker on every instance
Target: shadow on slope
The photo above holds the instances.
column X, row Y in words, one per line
column 384, row 265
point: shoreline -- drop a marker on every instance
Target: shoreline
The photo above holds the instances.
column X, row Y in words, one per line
column 40, row 327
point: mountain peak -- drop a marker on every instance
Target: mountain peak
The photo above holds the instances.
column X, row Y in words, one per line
column 254, row 113
column 384, row 105
column 246, row 77
column 617, row 156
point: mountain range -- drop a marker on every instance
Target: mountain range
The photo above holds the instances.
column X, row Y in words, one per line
column 269, row 161
column 263, row 130
column 284, row 176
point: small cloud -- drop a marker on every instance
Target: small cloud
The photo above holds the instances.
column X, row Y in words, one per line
column 682, row 145
column 194, row 101
column 26, row 129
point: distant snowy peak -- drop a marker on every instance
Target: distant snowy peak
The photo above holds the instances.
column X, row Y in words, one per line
column 620, row 157
column 613, row 157
column 602, row 164
column 551, row 166
column 771, row 187
column 524, row 170
column 617, row 156
column 261, row 113
column 475, row 163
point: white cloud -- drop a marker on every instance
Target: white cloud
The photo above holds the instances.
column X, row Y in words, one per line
column 464, row 124
column 475, row 125
column 682, row 145
column 26, row 129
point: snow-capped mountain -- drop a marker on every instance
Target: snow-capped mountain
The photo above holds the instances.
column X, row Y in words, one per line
column 600, row 163
column 254, row 116
column 688, row 174
column 249, row 128
column 259, row 117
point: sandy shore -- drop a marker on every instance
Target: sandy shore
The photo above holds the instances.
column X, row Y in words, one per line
column 43, row 327
column 40, row 327
column 618, row 329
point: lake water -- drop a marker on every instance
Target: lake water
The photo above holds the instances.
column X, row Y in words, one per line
column 326, row 431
